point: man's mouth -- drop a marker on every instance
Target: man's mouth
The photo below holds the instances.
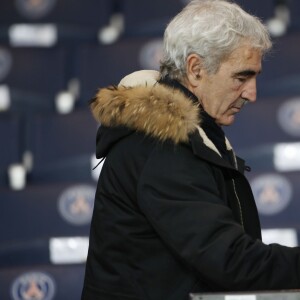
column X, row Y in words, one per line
column 239, row 104
column 236, row 109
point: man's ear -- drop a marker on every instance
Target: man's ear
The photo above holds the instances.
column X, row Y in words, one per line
column 193, row 69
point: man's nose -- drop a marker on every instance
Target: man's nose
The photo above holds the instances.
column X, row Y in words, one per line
column 249, row 91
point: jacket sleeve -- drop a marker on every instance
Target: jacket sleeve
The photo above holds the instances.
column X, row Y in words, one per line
column 178, row 194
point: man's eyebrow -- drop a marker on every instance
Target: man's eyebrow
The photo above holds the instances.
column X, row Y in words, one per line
column 246, row 73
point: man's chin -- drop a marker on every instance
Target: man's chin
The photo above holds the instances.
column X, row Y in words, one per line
column 226, row 121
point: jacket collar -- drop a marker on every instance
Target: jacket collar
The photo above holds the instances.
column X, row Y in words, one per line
column 159, row 111
column 204, row 151
column 177, row 85
column 162, row 111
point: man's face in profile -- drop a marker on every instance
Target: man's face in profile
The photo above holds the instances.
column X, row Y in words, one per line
column 223, row 94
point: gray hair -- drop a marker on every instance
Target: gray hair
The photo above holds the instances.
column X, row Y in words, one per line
column 211, row 29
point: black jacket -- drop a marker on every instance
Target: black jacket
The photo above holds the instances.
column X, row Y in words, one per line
column 171, row 216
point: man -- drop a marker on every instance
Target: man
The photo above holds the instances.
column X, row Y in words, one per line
column 173, row 211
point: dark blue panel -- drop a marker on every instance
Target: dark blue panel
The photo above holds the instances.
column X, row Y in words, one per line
column 70, row 169
column 61, row 146
column 149, row 17
column 54, row 137
column 33, row 69
column 24, row 253
column 295, row 13
column 28, row 102
column 10, row 145
column 43, row 211
column 99, row 66
column 79, row 12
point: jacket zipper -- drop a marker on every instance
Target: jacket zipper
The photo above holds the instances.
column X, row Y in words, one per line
column 239, row 202
column 210, row 145
column 235, row 192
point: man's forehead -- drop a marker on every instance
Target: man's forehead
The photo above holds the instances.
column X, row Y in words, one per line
column 244, row 59
column 245, row 50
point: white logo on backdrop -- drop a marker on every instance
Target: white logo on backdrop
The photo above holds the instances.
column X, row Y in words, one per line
column 76, row 204
column 151, row 54
column 33, row 286
column 272, row 193
column 289, row 117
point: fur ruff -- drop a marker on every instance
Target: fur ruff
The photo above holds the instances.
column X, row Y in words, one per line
column 158, row 111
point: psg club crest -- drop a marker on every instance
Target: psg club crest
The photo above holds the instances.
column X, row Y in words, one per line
column 34, row 9
column 272, row 193
column 33, row 286
column 151, row 54
column 5, row 63
column 289, row 117
column 76, row 204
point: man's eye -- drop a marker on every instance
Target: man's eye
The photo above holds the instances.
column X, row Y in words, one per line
column 241, row 79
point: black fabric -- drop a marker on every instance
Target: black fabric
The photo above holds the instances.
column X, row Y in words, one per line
column 108, row 137
column 171, row 219
column 167, row 222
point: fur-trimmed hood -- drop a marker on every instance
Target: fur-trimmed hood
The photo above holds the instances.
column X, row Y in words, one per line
column 159, row 111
